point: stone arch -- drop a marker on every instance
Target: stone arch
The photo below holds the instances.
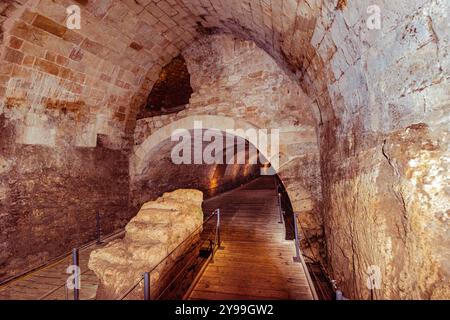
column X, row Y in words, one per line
column 145, row 151
column 142, row 153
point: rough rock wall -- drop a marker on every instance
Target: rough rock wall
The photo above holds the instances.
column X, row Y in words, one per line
column 397, row 218
column 160, row 227
column 387, row 106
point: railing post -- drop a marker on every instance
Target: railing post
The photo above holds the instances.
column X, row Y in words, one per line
column 212, row 245
column 218, row 228
column 339, row 295
column 146, row 286
column 218, row 238
column 280, row 209
column 297, row 258
column 76, row 263
column 98, row 227
column 276, row 184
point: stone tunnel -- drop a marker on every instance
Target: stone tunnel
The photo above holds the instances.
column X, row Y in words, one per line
column 350, row 97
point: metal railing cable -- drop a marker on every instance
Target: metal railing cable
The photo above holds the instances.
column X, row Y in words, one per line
column 76, row 252
column 174, row 279
column 299, row 258
column 299, row 254
column 314, row 258
column 100, row 241
column 194, row 233
column 57, row 260
column 297, row 226
column 60, row 259
column 330, row 280
column 134, row 286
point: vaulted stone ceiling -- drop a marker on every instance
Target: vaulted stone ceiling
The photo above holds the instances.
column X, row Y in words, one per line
column 173, row 89
column 122, row 45
column 112, row 62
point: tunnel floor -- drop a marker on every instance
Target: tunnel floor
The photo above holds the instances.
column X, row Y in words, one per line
column 49, row 282
column 255, row 262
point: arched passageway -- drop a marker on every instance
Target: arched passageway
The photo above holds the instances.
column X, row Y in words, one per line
column 255, row 261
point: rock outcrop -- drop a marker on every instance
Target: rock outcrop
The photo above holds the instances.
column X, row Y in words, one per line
column 157, row 230
column 388, row 211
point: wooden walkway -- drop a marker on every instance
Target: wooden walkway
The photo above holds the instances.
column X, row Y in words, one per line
column 256, row 262
column 49, row 282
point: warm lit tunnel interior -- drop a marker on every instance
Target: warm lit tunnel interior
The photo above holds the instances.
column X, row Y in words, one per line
column 346, row 102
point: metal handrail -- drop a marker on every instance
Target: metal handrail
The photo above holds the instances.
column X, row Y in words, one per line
column 185, row 240
column 299, row 256
column 147, row 274
column 338, row 293
column 173, row 279
column 124, row 295
column 56, row 260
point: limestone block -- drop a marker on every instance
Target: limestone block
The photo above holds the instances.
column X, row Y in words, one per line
column 38, row 135
column 159, row 228
column 87, row 136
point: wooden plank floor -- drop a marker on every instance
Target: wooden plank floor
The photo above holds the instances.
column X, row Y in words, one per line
column 48, row 283
column 256, row 262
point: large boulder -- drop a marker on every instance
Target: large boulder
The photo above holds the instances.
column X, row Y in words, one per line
column 158, row 229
